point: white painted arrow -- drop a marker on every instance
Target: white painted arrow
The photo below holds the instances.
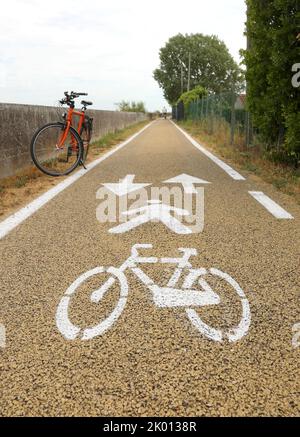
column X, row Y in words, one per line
column 154, row 211
column 187, row 182
column 125, row 186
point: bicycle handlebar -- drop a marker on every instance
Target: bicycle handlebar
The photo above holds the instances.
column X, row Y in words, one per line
column 78, row 94
column 68, row 100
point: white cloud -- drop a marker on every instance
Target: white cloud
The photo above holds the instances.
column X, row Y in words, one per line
column 107, row 49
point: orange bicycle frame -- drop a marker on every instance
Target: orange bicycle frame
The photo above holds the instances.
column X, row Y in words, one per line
column 69, row 119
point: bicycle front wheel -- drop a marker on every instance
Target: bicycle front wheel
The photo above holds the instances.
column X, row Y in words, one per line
column 56, row 151
column 232, row 334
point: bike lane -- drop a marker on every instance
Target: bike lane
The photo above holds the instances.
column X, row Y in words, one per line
column 153, row 360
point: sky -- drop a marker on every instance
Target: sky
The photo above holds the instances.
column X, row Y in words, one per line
column 106, row 48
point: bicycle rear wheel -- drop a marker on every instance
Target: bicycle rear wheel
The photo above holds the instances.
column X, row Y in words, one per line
column 66, row 326
column 55, row 152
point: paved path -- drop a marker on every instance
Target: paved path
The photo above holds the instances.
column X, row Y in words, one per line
column 152, row 360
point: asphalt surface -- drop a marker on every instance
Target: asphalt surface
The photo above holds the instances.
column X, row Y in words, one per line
column 152, row 361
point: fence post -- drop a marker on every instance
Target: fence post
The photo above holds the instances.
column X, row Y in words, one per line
column 247, row 127
column 232, row 124
column 249, row 131
column 212, row 114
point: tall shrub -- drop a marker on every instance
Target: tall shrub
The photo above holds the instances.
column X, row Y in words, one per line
column 272, row 29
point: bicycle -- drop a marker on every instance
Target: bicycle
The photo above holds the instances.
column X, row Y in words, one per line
column 163, row 297
column 58, row 148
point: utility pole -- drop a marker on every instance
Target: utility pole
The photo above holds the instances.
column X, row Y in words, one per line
column 181, row 79
column 189, row 72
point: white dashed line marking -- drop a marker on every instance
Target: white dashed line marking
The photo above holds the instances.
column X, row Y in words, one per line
column 270, row 205
column 2, row 336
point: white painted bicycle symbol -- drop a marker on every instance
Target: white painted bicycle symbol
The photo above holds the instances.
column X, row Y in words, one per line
column 195, row 292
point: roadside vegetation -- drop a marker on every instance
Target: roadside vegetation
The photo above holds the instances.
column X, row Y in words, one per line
column 190, row 96
column 254, row 159
column 273, row 97
column 16, row 191
column 251, row 117
column 192, row 60
column 125, row 106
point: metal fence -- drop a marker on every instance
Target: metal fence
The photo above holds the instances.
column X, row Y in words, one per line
column 226, row 112
column 178, row 111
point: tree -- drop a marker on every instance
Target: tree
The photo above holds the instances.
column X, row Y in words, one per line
column 125, row 106
column 272, row 29
column 212, row 66
column 190, row 96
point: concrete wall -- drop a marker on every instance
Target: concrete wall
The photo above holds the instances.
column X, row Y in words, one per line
column 19, row 122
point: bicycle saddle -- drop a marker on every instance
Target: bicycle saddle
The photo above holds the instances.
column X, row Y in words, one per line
column 86, row 103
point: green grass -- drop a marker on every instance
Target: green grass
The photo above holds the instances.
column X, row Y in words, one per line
column 107, row 139
column 249, row 166
column 21, row 181
column 112, row 138
column 280, row 183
